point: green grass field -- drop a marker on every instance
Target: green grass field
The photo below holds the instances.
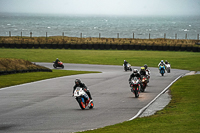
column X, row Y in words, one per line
column 179, row 60
column 181, row 115
column 21, row 78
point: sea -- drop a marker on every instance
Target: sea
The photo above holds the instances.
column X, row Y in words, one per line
column 142, row 27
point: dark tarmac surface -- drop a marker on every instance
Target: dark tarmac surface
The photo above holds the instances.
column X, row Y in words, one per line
column 48, row 105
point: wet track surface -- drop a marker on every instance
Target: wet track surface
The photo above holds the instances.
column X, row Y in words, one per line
column 48, row 105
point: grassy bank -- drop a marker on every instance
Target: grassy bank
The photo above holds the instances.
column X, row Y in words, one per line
column 21, row 78
column 7, row 64
column 179, row 60
column 181, row 115
column 77, row 40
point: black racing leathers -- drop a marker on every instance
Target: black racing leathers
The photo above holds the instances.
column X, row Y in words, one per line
column 143, row 73
column 82, row 85
column 135, row 75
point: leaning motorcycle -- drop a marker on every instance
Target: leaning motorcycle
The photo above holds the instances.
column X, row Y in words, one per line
column 128, row 67
column 162, row 70
column 135, row 86
column 60, row 64
column 81, row 97
column 144, row 83
column 168, row 66
column 148, row 75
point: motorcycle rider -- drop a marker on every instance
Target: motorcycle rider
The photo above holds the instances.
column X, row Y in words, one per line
column 161, row 63
column 146, row 69
column 78, row 83
column 142, row 71
column 135, row 74
column 166, row 62
column 148, row 72
column 57, row 60
column 125, row 64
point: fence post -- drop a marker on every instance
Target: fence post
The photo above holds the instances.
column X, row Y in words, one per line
column 63, row 34
column 175, row 36
column 81, row 35
column 186, row 36
column 99, row 35
column 133, row 36
column 31, row 34
column 197, row 36
column 117, row 35
column 9, row 33
column 21, row 34
column 149, row 35
column 164, row 35
column 46, row 37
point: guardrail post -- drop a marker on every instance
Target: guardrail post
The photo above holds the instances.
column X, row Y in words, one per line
column 46, row 36
column 31, row 34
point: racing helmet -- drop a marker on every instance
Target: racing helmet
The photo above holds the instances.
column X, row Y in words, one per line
column 145, row 66
column 77, row 81
column 162, row 61
column 142, row 69
column 135, row 71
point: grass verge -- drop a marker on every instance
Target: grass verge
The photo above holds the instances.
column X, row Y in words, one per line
column 179, row 60
column 21, row 78
column 181, row 115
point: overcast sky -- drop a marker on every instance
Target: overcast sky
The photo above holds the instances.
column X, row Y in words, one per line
column 103, row 7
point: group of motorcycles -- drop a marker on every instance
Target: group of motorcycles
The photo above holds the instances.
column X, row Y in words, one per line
column 139, row 85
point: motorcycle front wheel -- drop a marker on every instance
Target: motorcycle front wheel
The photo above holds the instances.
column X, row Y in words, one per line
column 136, row 92
column 91, row 105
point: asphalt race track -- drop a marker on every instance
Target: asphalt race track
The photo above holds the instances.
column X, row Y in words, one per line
column 48, row 105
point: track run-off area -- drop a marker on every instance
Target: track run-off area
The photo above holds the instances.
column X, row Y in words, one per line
column 48, row 105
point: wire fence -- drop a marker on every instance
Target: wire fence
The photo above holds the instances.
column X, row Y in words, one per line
column 118, row 35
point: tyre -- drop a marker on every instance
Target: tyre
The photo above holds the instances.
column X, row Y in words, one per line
column 136, row 93
column 91, row 105
column 81, row 104
column 54, row 65
column 162, row 74
column 130, row 69
column 62, row 66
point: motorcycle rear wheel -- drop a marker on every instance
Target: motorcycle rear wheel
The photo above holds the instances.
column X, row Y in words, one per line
column 81, row 104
